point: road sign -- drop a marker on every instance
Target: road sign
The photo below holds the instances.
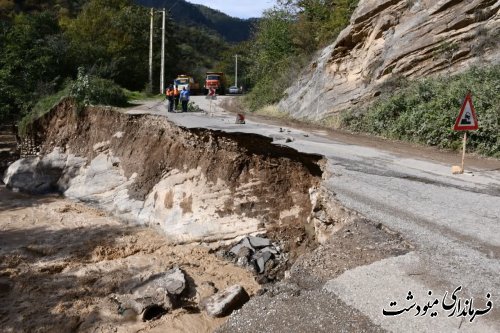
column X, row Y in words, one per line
column 467, row 119
column 211, row 92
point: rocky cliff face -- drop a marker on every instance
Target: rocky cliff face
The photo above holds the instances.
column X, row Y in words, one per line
column 387, row 39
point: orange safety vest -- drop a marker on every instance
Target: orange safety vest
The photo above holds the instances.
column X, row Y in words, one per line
column 170, row 92
column 176, row 92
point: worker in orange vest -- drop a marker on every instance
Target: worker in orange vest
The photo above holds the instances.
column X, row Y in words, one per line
column 170, row 97
column 176, row 97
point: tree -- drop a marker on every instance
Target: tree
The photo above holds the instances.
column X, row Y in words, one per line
column 111, row 38
column 33, row 61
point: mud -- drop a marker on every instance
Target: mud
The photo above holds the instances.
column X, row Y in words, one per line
column 62, row 262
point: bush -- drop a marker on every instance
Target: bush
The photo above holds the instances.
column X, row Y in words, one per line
column 94, row 90
column 86, row 90
column 425, row 112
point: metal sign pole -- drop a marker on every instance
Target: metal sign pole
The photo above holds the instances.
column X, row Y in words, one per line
column 463, row 150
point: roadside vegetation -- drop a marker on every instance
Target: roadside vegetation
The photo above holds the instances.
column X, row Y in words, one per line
column 424, row 112
column 284, row 42
column 96, row 51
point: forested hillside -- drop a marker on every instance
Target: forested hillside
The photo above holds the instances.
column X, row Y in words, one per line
column 187, row 14
column 8, row 8
column 44, row 45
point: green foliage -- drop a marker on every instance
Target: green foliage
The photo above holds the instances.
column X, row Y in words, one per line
column 425, row 112
column 285, row 40
column 197, row 49
column 138, row 95
column 32, row 61
column 318, row 22
column 193, row 107
column 111, row 39
column 94, row 90
column 187, row 14
column 41, row 107
column 273, row 56
column 44, row 42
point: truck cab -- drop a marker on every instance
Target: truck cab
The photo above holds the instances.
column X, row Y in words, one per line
column 186, row 81
column 217, row 81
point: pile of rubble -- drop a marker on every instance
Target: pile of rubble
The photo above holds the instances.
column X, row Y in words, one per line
column 161, row 293
column 259, row 254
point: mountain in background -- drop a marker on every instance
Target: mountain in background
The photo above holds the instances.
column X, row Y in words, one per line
column 184, row 13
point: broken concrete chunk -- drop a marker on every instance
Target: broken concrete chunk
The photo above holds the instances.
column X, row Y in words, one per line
column 172, row 281
column 259, row 242
column 261, row 259
column 225, row 302
column 156, row 296
column 243, row 243
column 269, row 249
column 175, row 281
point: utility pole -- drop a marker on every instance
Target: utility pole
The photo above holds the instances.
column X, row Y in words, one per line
column 162, row 74
column 151, row 53
column 236, row 73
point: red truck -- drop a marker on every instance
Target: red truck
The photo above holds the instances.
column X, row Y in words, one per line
column 217, row 81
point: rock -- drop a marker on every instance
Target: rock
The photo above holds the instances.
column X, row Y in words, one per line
column 225, row 302
column 175, row 281
column 36, row 175
column 456, row 170
column 242, row 262
column 243, row 243
column 260, row 260
column 259, row 242
column 155, row 296
column 388, row 39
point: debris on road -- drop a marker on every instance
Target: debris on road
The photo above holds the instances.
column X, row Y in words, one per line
column 260, row 255
column 154, row 297
column 225, row 302
column 240, row 118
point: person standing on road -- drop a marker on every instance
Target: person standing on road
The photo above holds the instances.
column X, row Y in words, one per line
column 170, row 98
column 176, row 97
column 184, row 99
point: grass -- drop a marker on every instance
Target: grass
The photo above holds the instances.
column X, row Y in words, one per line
column 272, row 111
column 41, row 107
column 140, row 95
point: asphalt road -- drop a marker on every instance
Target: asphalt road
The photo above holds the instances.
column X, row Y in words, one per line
column 453, row 221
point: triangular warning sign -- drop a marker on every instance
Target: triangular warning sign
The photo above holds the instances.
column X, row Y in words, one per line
column 467, row 119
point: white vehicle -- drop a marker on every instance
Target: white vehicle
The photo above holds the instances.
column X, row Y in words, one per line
column 234, row 90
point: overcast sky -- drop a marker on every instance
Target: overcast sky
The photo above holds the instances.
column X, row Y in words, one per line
column 238, row 8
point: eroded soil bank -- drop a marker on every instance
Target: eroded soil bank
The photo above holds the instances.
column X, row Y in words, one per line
column 193, row 184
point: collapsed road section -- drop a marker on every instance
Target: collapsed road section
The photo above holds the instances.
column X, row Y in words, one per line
column 193, row 184
column 241, row 197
